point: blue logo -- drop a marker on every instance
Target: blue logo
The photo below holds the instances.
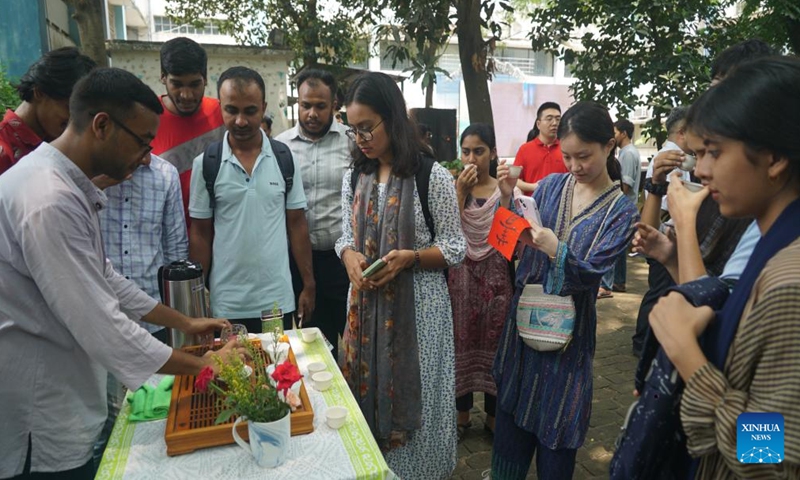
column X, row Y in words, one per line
column 759, row 438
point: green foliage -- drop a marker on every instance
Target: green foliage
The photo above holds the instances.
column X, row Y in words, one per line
column 453, row 165
column 313, row 37
column 615, row 47
column 8, row 93
column 257, row 400
column 777, row 22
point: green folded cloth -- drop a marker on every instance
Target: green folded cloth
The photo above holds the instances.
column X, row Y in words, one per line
column 151, row 403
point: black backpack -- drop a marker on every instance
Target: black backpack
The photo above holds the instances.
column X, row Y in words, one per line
column 212, row 159
column 423, row 179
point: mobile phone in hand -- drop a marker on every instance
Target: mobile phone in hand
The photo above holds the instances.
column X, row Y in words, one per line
column 374, row 268
column 529, row 211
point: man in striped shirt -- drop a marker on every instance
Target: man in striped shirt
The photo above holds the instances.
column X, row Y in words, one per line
column 321, row 148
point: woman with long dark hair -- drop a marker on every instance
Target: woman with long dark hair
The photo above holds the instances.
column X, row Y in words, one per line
column 544, row 397
column 398, row 352
column 481, row 287
column 745, row 132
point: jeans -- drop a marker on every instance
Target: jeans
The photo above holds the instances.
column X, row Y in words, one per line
column 513, row 451
column 618, row 275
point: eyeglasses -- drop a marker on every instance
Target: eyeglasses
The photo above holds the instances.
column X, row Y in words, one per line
column 551, row 119
column 365, row 135
column 142, row 142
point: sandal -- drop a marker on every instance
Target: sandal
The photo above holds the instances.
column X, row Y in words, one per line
column 603, row 293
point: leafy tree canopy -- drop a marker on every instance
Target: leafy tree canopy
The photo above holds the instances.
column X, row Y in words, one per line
column 617, row 48
column 315, row 34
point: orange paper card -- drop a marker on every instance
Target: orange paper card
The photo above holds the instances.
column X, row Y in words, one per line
column 506, row 229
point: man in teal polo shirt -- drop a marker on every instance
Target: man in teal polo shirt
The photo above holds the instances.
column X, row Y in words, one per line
column 246, row 233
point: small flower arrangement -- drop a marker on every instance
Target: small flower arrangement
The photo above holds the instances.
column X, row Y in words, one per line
column 265, row 398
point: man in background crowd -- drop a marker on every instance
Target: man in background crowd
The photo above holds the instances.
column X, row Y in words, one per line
column 541, row 156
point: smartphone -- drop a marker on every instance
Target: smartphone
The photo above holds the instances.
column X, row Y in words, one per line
column 374, row 268
column 529, row 210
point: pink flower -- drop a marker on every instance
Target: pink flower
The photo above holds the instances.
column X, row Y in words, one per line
column 202, row 380
column 286, row 374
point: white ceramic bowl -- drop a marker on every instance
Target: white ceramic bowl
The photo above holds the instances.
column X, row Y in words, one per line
column 315, row 367
column 692, row 187
column 336, row 417
column 308, row 334
column 322, row 380
column 514, row 171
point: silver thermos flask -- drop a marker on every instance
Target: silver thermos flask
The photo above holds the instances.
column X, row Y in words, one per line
column 182, row 288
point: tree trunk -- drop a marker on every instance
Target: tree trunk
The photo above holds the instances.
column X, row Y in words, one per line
column 91, row 27
column 473, row 61
column 793, row 29
column 429, row 95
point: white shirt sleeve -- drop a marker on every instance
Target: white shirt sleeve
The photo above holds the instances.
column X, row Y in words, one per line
column 64, row 263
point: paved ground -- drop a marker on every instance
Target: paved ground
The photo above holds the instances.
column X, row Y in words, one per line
column 614, row 366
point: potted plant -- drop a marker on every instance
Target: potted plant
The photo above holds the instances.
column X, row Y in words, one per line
column 264, row 401
column 455, row 166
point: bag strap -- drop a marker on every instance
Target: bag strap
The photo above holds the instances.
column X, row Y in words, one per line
column 285, row 164
column 422, row 178
column 597, row 235
column 212, row 158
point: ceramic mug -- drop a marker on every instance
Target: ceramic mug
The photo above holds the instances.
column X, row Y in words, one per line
column 269, row 441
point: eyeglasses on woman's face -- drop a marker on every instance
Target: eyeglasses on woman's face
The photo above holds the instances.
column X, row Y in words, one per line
column 366, row 135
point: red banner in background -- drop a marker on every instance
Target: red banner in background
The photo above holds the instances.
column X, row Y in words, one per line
column 506, row 229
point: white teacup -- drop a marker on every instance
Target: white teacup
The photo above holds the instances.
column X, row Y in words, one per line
column 336, row 417
column 308, row 334
column 315, row 367
column 688, row 163
column 322, row 380
column 514, row 171
column 692, row 187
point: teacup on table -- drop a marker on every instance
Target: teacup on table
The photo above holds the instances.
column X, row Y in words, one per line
column 308, row 334
column 315, row 367
column 322, row 380
column 336, row 417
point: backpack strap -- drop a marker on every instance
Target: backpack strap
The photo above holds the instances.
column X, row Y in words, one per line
column 212, row 158
column 285, row 163
column 423, row 179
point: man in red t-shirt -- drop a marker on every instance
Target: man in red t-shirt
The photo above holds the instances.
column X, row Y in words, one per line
column 190, row 120
column 541, row 156
column 44, row 112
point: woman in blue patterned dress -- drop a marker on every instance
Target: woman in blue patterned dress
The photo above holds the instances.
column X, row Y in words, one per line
column 544, row 398
column 398, row 352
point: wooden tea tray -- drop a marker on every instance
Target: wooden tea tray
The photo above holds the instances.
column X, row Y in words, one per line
column 190, row 423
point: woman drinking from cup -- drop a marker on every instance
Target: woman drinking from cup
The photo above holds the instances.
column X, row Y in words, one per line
column 481, row 287
column 398, row 353
column 544, row 397
column 745, row 132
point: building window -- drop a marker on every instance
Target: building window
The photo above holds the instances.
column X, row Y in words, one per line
column 165, row 24
column 539, row 64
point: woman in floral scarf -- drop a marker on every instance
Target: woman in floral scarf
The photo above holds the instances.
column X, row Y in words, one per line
column 398, row 353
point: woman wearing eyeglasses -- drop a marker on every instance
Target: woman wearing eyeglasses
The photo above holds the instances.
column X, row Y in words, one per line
column 745, row 132
column 398, row 353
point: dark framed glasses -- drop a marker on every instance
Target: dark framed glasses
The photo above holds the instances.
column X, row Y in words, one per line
column 142, row 142
column 365, row 135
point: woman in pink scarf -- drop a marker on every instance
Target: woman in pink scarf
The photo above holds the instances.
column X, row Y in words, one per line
column 481, row 287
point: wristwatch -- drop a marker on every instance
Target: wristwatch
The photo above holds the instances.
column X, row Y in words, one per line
column 655, row 188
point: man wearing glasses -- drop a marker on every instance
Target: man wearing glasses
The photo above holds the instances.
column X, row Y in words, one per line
column 541, row 156
column 66, row 316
